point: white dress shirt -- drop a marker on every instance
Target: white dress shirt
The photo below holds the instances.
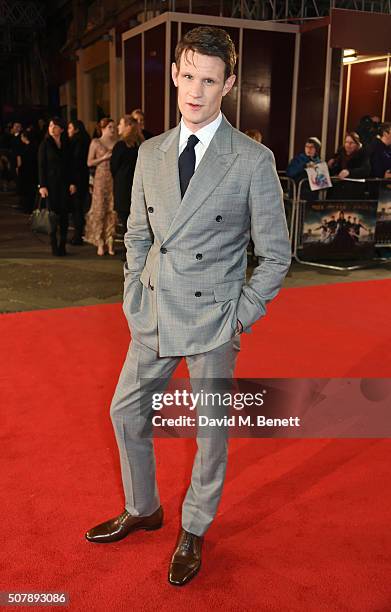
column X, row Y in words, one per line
column 204, row 136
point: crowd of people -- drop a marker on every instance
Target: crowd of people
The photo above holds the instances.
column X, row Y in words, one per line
column 365, row 153
column 61, row 168
column 58, row 166
column 92, row 178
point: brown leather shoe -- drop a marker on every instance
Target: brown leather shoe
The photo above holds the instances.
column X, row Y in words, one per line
column 186, row 560
column 119, row 527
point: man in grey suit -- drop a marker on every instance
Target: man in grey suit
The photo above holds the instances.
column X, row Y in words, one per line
column 199, row 191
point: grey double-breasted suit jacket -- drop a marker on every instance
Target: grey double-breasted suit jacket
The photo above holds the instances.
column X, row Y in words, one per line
column 185, row 274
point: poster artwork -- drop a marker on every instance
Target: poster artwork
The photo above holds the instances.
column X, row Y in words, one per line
column 318, row 176
column 383, row 223
column 339, row 230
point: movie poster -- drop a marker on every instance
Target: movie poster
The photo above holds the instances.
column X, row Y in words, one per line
column 383, row 223
column 338, row 230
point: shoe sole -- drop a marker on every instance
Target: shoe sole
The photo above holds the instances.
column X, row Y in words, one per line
column 187, row 580
column 153, row 528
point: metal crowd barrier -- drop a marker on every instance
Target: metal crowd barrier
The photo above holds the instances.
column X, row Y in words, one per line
column 289, row 190
column 330, row 230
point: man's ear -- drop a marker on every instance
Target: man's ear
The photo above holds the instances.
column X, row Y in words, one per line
column 174, row 73
column 229, row 83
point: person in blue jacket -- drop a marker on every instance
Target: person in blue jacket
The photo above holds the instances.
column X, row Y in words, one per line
column 311, row 154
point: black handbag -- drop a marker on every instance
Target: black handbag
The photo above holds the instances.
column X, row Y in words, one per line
column 43, row 220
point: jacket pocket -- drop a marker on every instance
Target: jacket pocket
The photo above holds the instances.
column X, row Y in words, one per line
column 228, row 291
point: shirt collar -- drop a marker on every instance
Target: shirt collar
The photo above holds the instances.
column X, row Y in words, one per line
column 204, row 135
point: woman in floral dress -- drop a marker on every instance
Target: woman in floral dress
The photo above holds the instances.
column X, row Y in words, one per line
column 101, row 218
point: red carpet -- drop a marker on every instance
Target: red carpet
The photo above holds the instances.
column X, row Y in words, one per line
column 303, row 525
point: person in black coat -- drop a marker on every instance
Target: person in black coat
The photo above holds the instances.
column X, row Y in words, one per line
column 123, row 163
column 79, row 141
column 380, row 158
column 367, row 129
column 380, row 153
column 350, row 161
column 14, row 143
column 14, row 146
column 55, row 180
column 27, row 168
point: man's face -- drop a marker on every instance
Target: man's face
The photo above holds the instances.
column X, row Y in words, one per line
column 386, row 138
column 201, row 87
column 139, row 118
column 16, row 128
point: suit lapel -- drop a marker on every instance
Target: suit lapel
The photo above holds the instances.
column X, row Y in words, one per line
column 168, row 174
column 214, row 165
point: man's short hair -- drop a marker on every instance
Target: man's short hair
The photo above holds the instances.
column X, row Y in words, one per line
column 208, row 40
column 385, row 128
column 137, row 111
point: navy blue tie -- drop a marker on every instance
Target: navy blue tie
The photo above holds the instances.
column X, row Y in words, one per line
column 186, row 163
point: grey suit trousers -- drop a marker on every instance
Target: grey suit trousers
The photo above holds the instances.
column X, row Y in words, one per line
column 130, row 407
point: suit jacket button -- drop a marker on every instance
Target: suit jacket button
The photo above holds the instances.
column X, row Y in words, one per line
column 219, row 218
column 198, row 294
column 150, row 209
column 163, row 250
column 199, row 256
